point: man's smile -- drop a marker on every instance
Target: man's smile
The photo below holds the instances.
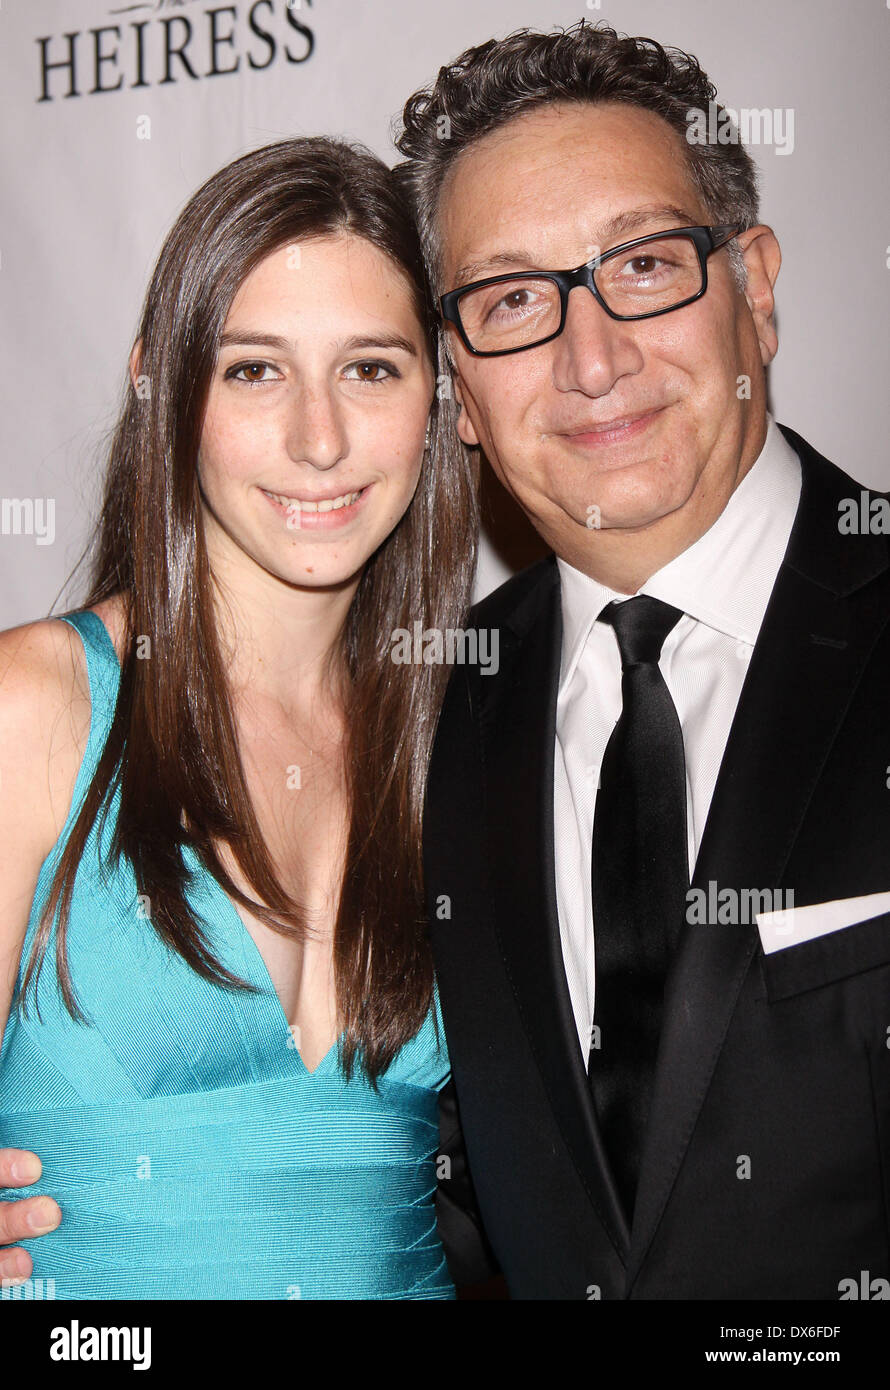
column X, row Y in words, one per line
column 615, row 431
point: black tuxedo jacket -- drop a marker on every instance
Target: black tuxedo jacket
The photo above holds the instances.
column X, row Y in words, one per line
column 766, row 1170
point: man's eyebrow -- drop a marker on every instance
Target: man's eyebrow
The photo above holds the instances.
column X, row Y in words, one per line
column 493, row 265
column 611, row 231
column 358, row 342
column 636, row 218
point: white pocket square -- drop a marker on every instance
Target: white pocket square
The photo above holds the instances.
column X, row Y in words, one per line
column 796, row 924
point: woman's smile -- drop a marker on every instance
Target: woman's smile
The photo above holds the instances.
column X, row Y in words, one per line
column 318, row 514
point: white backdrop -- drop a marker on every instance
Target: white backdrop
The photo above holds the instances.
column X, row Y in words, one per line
column 86, row 202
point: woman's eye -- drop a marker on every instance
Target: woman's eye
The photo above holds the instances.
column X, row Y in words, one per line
column 372, row 372
column 251, row 372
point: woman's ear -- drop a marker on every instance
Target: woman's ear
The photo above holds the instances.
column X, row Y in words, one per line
column 136, row 363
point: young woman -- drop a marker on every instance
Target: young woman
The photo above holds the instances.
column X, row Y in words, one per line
column 223, row 1038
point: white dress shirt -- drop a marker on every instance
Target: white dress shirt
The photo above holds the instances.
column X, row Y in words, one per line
column 722, row 584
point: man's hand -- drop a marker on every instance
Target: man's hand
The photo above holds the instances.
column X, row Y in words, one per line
column 21, row 1220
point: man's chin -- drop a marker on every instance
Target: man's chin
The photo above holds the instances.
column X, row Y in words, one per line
column 628, row 514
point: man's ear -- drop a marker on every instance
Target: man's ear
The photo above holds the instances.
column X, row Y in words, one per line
column 465, row 428
column 136, row 363
column 762, row 261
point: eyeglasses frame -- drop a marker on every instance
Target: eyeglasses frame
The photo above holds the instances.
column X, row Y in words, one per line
column 705, row 239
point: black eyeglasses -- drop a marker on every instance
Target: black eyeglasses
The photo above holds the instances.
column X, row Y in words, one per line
column 509, row 313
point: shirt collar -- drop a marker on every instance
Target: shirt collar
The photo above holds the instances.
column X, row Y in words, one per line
column 726, row 577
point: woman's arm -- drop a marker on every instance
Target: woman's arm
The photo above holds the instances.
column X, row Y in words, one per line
column 44, row 723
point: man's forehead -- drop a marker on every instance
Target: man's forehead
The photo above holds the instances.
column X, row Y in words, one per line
column 566, row 130
column 611, row 231
column 504, row 201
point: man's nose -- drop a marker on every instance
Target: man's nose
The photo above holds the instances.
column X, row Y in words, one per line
column 594, row 350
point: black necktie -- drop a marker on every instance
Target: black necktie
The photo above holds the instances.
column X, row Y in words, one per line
column 640, row 879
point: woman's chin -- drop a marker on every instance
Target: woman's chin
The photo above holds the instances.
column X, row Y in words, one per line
column 318, row 572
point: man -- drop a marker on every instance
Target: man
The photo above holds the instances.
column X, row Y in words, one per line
column 668, row 1086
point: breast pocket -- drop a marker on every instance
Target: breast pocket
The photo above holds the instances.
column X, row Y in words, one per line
column 826, row 959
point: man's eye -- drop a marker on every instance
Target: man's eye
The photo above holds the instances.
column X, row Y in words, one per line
column 372, row 372
column 506, row 303
column 643, row 265
column 514, row 299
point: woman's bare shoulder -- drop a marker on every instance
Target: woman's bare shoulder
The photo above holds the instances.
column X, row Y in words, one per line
column 41, row 666
column 45, row 712
column 44, row 727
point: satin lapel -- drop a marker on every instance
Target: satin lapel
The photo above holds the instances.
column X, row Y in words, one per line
column 815, row 638
column 518, row 724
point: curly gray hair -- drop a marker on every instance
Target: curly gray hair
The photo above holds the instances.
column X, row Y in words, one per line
column 487, row 86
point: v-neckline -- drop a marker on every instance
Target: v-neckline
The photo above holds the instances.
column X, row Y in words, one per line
column 261, row 969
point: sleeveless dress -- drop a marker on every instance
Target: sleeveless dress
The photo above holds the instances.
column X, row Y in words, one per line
column 193, row 1154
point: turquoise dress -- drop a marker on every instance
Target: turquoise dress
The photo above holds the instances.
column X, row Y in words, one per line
column 192, row 1153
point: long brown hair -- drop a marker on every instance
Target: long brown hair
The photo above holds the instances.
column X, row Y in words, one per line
column 173, row 748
